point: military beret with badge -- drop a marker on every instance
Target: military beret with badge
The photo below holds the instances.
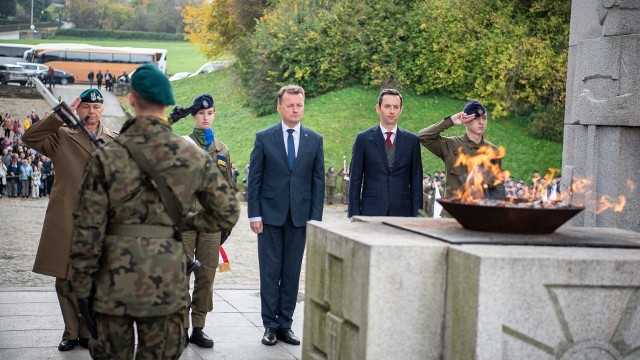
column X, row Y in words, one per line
column 474, row 107
column 91, row 96
column 204, row 101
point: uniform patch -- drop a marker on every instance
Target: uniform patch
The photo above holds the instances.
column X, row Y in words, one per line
column 222, row 161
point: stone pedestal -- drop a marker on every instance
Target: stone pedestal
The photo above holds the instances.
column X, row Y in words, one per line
column 374, row 291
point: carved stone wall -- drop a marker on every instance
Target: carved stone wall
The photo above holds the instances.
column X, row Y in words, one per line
column 602, row 122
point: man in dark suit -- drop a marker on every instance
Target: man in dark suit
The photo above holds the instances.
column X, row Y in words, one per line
column 285, row 190
column 386, row 167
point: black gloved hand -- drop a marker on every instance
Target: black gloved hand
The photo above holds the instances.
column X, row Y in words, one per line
column 224, row 235
column 192, row 264
column 86, row 311
column 179, row 113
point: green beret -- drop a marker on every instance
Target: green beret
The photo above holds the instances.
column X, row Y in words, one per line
column 152, row 84
column 91, row 96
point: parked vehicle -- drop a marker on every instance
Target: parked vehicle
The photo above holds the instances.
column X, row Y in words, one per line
column 31, row 68
column 13, row 74
column 60, row 77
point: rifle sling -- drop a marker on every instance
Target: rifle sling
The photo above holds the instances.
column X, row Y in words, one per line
column 166, row 195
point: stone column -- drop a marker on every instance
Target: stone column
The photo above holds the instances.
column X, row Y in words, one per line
column 602, row 117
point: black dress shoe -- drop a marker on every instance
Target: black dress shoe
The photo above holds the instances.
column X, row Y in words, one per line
column 66, row 345
column 84, row 342
column 201, row 339
column 269, row 337
column 287, row 336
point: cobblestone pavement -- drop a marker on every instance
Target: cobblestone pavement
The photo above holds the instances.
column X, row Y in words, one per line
column 22, row 220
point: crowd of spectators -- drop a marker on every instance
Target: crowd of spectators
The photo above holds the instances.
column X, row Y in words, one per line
column 24, row 173
column 433, row 188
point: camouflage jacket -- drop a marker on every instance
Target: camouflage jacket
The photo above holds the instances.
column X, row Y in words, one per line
column 143, row 276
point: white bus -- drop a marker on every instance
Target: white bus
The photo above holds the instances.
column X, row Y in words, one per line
column 12, row 53
column 80, row 59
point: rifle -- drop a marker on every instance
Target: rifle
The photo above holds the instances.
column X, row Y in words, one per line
column 68, row 117
column 178, row 113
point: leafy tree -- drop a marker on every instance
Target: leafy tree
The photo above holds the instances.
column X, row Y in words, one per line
column 219, row 25
column 114, row 14
column 7, row 8
column 38, row 8
column 84, row 14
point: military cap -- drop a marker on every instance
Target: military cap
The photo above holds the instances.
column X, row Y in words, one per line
column 91, row 96
column 152, row 84
column 474, row 107
column 204, row 101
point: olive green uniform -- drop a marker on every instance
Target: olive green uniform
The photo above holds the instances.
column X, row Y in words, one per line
column 344, row 187
column 330, row 185
column 447, row 148
column 205, row 246
column 124, row 247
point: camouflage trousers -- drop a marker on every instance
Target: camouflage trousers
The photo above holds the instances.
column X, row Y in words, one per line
column 205, row 247
column 160, row 337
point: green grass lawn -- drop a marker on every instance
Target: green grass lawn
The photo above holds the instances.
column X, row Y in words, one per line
column 181, row 55
column 339, row 115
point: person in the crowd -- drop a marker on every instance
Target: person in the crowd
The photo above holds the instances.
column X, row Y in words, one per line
column 330, row 184
column 36, row 175
column 25, row 177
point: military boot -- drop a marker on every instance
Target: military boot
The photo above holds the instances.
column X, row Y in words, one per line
column 201, row 339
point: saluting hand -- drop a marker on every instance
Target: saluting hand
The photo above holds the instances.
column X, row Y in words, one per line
column 74, row 104
column 462, row 118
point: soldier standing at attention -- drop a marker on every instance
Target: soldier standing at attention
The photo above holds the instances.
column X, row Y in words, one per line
column 330, row 184
column 69, row 151
column 204, row 245
column 127, row 266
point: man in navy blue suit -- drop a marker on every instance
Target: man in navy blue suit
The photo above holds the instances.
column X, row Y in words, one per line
column 386, row 167
column 286, row 189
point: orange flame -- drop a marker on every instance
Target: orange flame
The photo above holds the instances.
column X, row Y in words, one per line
column 606, row 203
column 482, row 170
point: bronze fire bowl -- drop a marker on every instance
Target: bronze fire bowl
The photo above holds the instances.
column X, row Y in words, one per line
column 513, row 220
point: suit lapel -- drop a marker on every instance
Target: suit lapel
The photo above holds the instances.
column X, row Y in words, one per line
column 279, row 140
column 400, row 134
column 303, row 143
column 378, row 139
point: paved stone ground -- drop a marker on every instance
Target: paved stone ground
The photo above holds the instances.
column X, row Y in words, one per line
column 22, row 223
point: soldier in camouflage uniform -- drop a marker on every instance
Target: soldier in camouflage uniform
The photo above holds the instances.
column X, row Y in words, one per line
column 205, row 246
column 127, row 266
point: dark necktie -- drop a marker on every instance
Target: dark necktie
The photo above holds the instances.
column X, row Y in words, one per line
column 291, row 150
column 388, row 140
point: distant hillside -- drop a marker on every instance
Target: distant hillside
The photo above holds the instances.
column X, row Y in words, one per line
column 339, row 115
